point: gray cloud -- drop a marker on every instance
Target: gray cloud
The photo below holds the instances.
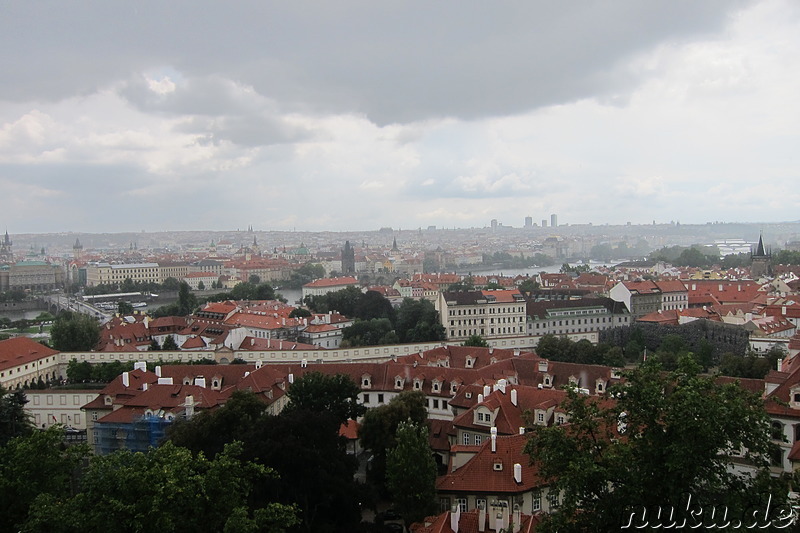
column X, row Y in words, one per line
column 395, row 62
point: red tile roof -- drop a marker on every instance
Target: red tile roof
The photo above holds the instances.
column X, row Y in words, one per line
column 22, row 350
column 479, row 474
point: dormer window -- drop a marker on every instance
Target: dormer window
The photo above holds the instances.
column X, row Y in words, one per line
column 417, row 384
column 573, row 381
column 548, row 380
column 498, row 466
column 187, row 380
column 794, row 397
column 600, row 386
column 435, row 386
column 398, row 382
column 366, row 381
column 469, row 362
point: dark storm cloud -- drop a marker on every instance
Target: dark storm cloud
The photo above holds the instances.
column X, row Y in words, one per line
column 393, row 61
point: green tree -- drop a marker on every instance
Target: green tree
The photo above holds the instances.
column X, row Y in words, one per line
column 124, row 308
column 154, row 345
column 33, row 465
column 187, row 302
column 300, row 312
column 14, row 421
column 169, row 344
column 171, row 284
column 74, row 332
column 79, row 372
column 378, row 431
column 254, row 279
column 201, row 286
column 317, row 392
column 44, row 317
column 373, row 305
column 209, row 431
column 529, row 285
column 166, row 489
column 369, row 333
column 127, row 286
column 418, row 321
column 677, row 428
column 476, row 340
column 411, row 472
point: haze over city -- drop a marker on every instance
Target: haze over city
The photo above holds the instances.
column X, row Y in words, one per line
column 120, row 116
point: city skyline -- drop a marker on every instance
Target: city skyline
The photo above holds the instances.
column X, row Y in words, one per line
column 125, row 117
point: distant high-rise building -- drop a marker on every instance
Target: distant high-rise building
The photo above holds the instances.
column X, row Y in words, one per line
column 554, row 220
column 494, row 224
column 544, row 222
column 528, row 222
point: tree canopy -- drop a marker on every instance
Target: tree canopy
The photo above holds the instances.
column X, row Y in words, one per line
column 14, row 421
column 411, row 472
column 378, row 432
column 678, row 429
column 166, row 489
column 336, row 394
column 74, row 332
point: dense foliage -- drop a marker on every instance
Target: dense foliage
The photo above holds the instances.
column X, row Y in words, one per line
column 378, row 432
column 302, row 444
column 411, row 472
column 167, row 489
column 74, row 332
column 698, row 336
column 678, row 429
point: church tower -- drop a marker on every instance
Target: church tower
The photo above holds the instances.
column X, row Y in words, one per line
column 348, row 259
column 761, row 261
column 77, row 250
column 6, row 255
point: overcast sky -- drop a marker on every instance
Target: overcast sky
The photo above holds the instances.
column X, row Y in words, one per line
column 352, row 115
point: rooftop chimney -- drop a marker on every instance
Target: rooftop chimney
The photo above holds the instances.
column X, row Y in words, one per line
column 165, row 381
column 291, row 378
column 259, row 364
column 200, row 381
column 188, row 406
column 501, row 385
column 158, row 371
column 144, row 386
column 140, row 365
column 455, row 516
column 543, row 365
column 482, row 517
column 480, row 398
column 487, row 390
column 126, row 380
column 494, row 439
column 514, row 397
column 522, row 430
column 518, row 472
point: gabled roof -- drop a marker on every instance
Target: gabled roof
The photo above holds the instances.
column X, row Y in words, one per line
column 21, row 351
column 480, row 476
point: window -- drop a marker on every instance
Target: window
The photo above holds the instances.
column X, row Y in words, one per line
column 366, row 398
column 466, row 438
column 537, row 501
column 540, row 417
column 553, row 500
column 477, row 440
column 462, row 504
column 380, row 398
column 435, row 404
column 444, row 504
